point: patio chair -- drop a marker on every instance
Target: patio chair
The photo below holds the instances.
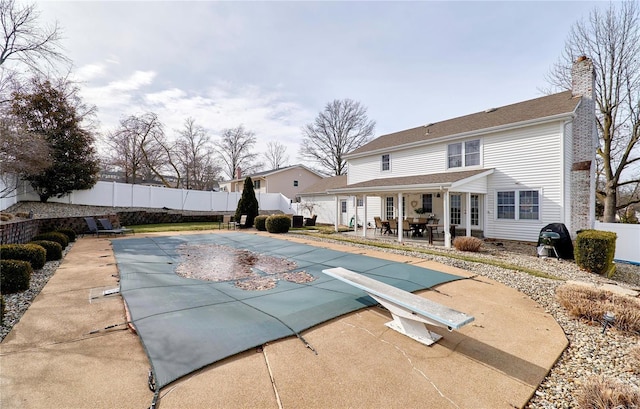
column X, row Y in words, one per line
column 92, row 225
column 379, row 225
column 241, row 223
column 437, row 232
column 310, row 221
column 393, row 226
column 106, row 224
column 406, row 228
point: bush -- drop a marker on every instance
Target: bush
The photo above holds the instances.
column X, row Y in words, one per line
column 34, row 254
column 53, row 236
column 278, row 223
column 54, row 250
column 467, row 243
column 260, row 223
column 14, row 276
column 70, row 233
column 594, row 251
column 607, row 393
column 591, row 304
column 5, row 217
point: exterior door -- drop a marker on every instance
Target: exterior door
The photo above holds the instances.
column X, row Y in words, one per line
column 343, row 213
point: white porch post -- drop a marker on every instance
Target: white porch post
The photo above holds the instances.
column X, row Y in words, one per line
column 468, row 213
column 447, row 218
column 400, row 217
column 355, row 215
column 337, row 212
column 364, row 209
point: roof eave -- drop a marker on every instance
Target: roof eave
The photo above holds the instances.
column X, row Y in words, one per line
column 391, row 188
column 478, row 132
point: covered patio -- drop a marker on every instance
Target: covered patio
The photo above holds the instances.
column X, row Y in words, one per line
column 455, row 199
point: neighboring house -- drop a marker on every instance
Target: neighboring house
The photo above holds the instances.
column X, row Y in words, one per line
column 289, row 181
column 503, row 173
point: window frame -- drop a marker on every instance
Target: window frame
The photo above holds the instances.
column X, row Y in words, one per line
column 462, row 156
column 256, row 184
column 386, row 162
column 519, row 203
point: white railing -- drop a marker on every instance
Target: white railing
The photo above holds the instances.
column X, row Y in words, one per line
column 628, row 241
column 115, row 194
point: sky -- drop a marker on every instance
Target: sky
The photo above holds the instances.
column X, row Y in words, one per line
column 273, row 66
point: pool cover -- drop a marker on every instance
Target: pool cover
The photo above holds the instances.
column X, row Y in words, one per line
column 186, row 324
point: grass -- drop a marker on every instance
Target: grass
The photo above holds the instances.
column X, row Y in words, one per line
column 607, row 393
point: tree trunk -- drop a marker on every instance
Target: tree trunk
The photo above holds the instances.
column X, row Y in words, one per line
column 610, row 201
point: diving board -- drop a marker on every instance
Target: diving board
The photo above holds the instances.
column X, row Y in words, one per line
column 409, row 311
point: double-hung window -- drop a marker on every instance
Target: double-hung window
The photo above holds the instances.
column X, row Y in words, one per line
column 427, row 202
column 385, row 164
column 256, row 184
column 518, row 205
column 463, row 154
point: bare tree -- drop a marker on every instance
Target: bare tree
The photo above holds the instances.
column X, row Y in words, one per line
column 342, row 127
column 196, row 157
column 32, row 46
column 235, row 151
column 276, row 155
column 612, row 40
column 139, row 149
column 21, row 152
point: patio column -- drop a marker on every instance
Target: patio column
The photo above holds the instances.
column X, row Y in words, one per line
column 355, row 215
column 447, row 218
column 468, row 213
column 364, row 209
column 337, row 213
column 400, row 217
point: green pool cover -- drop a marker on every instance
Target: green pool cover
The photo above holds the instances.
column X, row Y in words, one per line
column 186, row 324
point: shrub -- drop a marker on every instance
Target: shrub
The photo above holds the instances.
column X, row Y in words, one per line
column 14, row 276
column 34, row 254
column 5, row 217
column 607, row 393
column 467, row 243
column 278, row 223
column 53, row 236
column 594, row 251
column 54, row 250
column 592, row 304
column 260, row 223
column 70, row 233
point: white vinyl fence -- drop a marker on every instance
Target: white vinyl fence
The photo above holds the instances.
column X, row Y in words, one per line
column 115, row 194
column 628, row 241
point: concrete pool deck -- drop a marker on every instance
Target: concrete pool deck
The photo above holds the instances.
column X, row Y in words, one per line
column 51, row 359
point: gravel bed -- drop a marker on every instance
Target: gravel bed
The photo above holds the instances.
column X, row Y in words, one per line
column 590, row 352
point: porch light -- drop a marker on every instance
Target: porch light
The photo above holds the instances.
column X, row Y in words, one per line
column 607, row 320
column 438, row 194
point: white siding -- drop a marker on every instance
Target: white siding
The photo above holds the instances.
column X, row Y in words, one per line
column 526, row 159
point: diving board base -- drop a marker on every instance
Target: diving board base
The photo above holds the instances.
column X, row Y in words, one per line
column 413, row 329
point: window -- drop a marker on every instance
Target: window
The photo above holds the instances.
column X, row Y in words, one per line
column 389, row 208
column 456, row 201
column 463, row 154
column 529, row 208
column 427, row 202
column 526, row 201
column 343, row 206
column 506, row 205
column 256, row 184
column 359, row 202
column 404, row 207
column 295, row 183
column 475, row 210
column 386, row 162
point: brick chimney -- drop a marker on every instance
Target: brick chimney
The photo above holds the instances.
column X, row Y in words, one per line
column 238, row 172
column 584, row 144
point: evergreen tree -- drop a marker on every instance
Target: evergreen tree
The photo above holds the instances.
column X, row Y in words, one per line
column 248, row 203
column 56, row 113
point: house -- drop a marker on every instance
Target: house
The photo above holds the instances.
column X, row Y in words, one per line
column 289, row 181
column 503, row 173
